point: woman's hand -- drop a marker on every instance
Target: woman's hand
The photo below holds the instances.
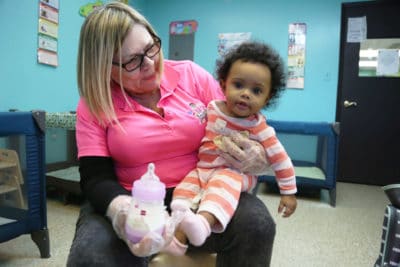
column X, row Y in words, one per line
column 117, row 211
column 244, row 154
column 153, row 242
column 150, row 243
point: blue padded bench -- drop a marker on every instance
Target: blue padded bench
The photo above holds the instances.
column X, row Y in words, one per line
column 315, row 171
column 24, row 133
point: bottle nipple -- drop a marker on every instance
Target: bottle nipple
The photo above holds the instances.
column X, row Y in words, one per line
column 149, row 187
column 150, row 174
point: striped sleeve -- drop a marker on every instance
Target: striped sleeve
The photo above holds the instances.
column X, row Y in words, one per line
column 279, row 160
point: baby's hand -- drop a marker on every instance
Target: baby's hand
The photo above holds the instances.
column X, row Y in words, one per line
column 287, row 205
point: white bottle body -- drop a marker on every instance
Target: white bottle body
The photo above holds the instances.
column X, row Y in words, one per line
column 144, row 217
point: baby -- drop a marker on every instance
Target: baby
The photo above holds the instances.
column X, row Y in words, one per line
column 251, row 76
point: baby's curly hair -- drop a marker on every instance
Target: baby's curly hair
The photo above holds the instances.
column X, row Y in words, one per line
column 256, row 52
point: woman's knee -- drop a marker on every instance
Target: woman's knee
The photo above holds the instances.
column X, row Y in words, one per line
column 96, row 244
column 253, row 218
column 250, row 232
column 90, row 234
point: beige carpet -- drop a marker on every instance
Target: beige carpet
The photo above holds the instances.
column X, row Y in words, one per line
column 317, row 234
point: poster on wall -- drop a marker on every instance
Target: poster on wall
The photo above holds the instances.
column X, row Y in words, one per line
column 48, row 33
column 47, row 57
column 51, row 3
column 48, row 13
column 388, row 62
column 356, row 29
column 227, row 40
column 48, row 28
column 183, row 27
column 296, row 55
column 47, row 43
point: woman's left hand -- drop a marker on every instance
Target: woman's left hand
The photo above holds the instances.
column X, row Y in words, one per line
column 244, row 154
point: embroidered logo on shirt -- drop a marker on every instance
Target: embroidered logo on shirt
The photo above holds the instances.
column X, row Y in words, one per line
column 198, row 110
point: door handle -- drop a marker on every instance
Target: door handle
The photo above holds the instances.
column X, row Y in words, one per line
column 348, row 104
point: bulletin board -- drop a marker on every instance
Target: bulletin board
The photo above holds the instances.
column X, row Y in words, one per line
column 47, row 52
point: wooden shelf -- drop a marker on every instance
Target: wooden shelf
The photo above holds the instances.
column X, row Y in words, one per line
column 7, row 188
column 10, row 176
column 5, row 164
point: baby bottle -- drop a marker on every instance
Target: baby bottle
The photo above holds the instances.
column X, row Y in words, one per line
column 147, row 210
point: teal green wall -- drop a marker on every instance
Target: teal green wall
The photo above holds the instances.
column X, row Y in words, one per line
column 28, row 85
column 268, row 21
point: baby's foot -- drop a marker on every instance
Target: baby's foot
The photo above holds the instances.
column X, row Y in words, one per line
column 196, row 228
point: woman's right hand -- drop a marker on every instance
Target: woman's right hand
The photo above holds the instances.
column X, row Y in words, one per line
column 150, row 243
column 244, row 154
column 153, row 242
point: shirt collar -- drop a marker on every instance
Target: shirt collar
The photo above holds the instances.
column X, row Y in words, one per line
column 170, row 78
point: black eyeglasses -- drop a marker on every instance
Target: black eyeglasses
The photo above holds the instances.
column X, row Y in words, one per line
column 137, row 61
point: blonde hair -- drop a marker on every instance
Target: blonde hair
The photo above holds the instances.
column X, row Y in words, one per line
column 101, row 36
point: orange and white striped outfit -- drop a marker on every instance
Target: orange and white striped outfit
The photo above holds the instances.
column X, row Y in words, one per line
column 216, row 185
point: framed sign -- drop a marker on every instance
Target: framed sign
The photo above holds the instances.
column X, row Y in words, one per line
column 296, row 55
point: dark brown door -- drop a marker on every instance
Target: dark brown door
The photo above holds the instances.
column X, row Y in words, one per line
column 369, row 142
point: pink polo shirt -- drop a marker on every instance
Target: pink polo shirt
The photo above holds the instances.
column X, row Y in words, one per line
column 170, row 142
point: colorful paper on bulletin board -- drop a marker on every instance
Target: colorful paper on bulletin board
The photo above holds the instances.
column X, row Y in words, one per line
column 52, row 3
column 48, row 13
column 47, row 57
column 183, row 27
column 227, row 40
column 47, row 43
column 48, row 28
column 296, row 55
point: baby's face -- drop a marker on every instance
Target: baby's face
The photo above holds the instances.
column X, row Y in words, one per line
column 247, row 88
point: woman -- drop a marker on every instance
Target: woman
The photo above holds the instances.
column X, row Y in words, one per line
column 137, row 108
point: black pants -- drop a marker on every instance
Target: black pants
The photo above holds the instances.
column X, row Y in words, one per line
column 247, row 240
